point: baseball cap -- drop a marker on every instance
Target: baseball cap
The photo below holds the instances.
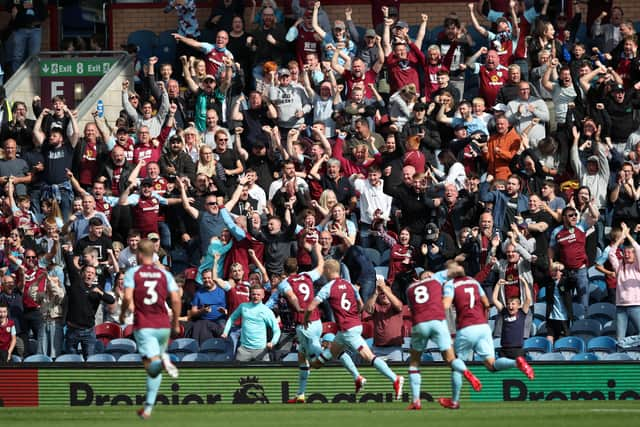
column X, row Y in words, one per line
column 370, row 33
column 122, row 129
column 329, row 337
column 431, row 232
column 96, row 221
column 459, row 126
column 420, row 106
column 339, row 24
column 617, row 88
column 153, row 236
column 401, row 24
column 208, row 77
column 283, row 72
column 57, row 129
column 592, row 158
column 146, row 181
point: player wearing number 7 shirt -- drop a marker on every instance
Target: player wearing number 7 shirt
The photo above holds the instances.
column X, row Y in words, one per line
column 298, row 290
column 146, row 288
column 473, row 331
column 429, row 322
column 346, row 304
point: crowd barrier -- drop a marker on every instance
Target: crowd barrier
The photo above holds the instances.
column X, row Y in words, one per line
column 207, row 384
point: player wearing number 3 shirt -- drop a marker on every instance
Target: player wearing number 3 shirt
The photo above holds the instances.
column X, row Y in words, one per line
column 146, row 290
column 346, row 304
column 429, row 322
column 473, row 332
column 298, row 290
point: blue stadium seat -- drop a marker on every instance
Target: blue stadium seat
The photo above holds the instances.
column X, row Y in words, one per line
column 602, row 312
column 493, row 312
column 101, row 357
column 578, row 311
column 32, row 346
column 551, row 357
column 182, row 346
column 70, row 358
column 541, row 330
column 394, row 356
column 165, row 48
column 74, row 23
column 541, row 295
column 38, row 358
column 569, row 346
column 121, row 346
column 130, row 357
column 216, row 345
column 432, row 34
column 586, row 328
column 601, row 346
column 618, row 356
column 383, row 271
column 540, row 311
column 584, row 357
column 290, row 358
column 196, row 357
column 535, row 347
column 221, row 357
column 426, row 357
column 373, row 255
column 146, row 41
column 16, row 359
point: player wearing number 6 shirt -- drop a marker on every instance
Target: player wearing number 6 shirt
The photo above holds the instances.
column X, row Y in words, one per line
column 345, row 302
column 146, row 290
column 473, row 331
column 429, row 322
column 298, row 290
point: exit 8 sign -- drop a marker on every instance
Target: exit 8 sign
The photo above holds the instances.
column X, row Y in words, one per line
column 76, row 67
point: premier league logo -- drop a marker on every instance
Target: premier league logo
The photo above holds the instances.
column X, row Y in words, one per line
column 250, row 391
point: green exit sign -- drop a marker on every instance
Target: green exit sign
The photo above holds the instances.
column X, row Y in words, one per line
column 80, row 67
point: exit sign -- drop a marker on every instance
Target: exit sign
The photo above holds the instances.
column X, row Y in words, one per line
column 76, row 67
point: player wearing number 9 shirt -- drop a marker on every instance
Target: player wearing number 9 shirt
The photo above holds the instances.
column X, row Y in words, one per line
column 298, row 290
column 429, row 322
column 346, row 304
column 146, row 289
column 473, row 332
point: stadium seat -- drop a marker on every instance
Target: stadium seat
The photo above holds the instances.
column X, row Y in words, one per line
column 578, row 311
column 541, row 330
column 602, row 312
column 383, row 271
column 492, row 324
column 38, row 358
column 101, row 357
column 221, row 357
column 586, row 329
column 569, row 346
column 541, row 295
column 551, row 357
column 165, row 48
column 493, row 312
column 535, row 347
column 329, row 328
column 584, row 357
column 406, row 343
column 146, row 41
column 31, row 347
column 426, row 357
column 216, row 345
column 196, row 357
column 130, row 357
column 108, row 331
column 128, row 332
column 182, row 346
column 609, row 330
column 394, row 356
column 540, row 311
column 16, row 359
column 69, row 358
column 74, row 23
column 121, row 346
column 373, row 255
column 601, row 346
column 618, row 356
column 432, row 34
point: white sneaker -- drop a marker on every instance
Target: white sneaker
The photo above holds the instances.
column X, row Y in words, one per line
column 169, row 366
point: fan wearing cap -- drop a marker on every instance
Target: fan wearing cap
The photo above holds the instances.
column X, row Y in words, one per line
column 404, row 59
column 336, row 42
column 78, row 224
column 622, row 105
column 506, row 38
column 437, row 248
column 290, row 100
column 57, row 151
column 369, row 48
column 595, row 174
column 177, row 162
column 145, row 207
column 153, row 122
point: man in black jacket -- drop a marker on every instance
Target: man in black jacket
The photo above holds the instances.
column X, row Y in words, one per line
column 83, row 300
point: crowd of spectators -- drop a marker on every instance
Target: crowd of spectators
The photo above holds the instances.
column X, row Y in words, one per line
column 516, row 157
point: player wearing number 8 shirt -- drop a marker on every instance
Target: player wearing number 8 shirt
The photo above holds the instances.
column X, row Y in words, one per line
column 146, row 290
column 429, row 322
column 473, row 332
column 346, row 304
column 298, row 290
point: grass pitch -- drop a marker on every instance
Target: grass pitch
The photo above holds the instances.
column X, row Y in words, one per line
column 512, row 414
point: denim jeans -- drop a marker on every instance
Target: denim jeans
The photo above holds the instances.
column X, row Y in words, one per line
column 623, row 314
column 165, row 235
column 582, row 279
column 25, row 42
column 50, row 338
column 86, row 337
